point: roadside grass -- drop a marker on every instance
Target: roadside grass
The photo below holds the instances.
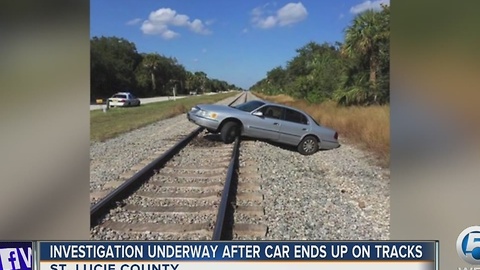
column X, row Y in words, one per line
column 367, row 127
column 116, row 121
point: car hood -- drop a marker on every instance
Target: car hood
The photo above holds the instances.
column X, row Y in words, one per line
column 216, row 108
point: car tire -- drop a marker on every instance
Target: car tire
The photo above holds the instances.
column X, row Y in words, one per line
column 229, row 132
column 308, row 146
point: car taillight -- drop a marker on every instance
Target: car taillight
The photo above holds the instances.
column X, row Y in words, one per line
column 122, row 100
column 336, row 136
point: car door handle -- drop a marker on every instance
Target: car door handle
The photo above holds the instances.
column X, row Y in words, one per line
column 304, row 129
column 276, row 124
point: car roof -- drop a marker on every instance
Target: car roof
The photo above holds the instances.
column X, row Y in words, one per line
column 281, row 105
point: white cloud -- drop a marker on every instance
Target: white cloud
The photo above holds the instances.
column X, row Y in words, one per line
column 159, row 21
column 287, row 15
column 169, row 34
column 245, row 30
column 375, row 5
column 268, row 22
column 204, row 50
column 209, row 22
column 134, row 21
column 198, row 27
column 341, row 16
column 291, row 13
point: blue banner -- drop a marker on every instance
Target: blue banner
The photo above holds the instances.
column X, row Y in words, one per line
column 239, row 251
column 16, row 256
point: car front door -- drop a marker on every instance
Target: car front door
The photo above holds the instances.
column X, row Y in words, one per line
column 294, row 127
column 268, row 125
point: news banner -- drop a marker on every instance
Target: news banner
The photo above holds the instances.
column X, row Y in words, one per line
column 179, row 255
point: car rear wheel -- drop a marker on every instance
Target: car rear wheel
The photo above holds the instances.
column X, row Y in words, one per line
column 229, row 132
column 308, row 146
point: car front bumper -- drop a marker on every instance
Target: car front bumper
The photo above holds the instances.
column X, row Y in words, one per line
column 202, row 121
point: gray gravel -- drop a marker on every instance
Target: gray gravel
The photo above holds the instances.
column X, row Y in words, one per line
column 333, row 195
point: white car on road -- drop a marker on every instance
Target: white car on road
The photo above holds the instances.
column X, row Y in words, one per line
column 123, row 99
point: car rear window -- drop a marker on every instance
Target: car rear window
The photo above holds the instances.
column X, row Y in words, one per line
column 119, row 96
column 294, row 116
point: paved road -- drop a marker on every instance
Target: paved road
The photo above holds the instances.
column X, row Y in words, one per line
column 145, row 101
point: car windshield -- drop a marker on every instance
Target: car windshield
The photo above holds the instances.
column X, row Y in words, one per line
column 249, row 106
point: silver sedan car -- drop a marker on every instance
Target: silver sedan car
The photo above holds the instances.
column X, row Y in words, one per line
column 265, row 120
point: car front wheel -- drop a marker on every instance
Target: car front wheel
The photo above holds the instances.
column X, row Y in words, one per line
column 308, row 146
column 229, row 132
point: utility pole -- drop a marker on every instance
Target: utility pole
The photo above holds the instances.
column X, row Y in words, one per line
column 174, row 88
column 174, row 91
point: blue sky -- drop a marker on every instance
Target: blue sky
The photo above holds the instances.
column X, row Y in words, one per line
column 236, row 41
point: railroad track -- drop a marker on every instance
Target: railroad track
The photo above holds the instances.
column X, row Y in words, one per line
column 189, row 192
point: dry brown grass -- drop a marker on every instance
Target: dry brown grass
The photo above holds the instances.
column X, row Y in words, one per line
column 368, row 127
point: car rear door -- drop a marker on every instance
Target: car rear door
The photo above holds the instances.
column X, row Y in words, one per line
column 268, row 125
column 294, row 126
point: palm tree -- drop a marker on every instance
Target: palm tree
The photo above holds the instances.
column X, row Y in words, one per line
column 364, row 39
column 202, row 78
column 151, row 62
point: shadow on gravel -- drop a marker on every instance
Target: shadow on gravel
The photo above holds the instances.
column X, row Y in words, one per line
column 210, row 139
column 280, row 145
column 207, row 140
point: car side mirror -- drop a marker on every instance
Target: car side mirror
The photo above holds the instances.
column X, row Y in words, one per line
column 258, row 113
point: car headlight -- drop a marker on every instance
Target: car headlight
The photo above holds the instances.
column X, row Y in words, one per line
column 206, row 114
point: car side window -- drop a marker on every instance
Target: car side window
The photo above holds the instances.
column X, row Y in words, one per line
column 272, row 112
column 294, row 116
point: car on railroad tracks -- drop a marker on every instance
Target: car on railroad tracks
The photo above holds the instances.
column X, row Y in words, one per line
column 265, row 120
column 123, row 99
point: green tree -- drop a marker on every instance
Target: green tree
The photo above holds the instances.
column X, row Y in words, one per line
column 112, row 64
column 366, row 42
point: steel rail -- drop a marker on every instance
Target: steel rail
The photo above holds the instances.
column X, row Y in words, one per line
column 218, row 231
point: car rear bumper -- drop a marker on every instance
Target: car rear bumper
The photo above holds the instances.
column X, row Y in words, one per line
column 117, row 104
column 203, row 122
column 329, row 145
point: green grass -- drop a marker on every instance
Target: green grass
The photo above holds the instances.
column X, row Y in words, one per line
column 116, row 121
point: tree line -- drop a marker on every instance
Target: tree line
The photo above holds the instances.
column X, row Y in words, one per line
column 117, row 66
column 355, row 72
